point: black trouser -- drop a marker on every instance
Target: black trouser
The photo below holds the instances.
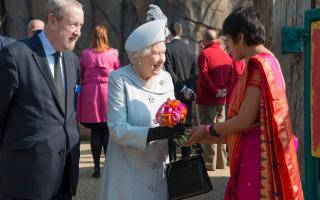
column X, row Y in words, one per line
column 186, row 151
column 99, row 139
column 64, row 192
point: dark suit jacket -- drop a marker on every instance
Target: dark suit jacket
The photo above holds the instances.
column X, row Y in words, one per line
column 180, row 63
column 34, row 130
column 4, row 41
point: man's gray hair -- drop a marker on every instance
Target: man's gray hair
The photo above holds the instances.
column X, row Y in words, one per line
column 56, row 7
column 210, row 35
column 32, row 22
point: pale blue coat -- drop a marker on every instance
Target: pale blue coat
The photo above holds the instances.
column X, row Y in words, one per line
column 134, row 169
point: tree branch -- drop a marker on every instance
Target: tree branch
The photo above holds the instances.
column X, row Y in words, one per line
column 199, row 23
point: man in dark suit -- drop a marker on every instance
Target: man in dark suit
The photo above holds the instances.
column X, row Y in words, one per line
column 39, row 135
column 180, row 63
column 4, row 41
column 33, row 26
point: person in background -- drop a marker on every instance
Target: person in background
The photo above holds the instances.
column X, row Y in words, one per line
column 138, row 149
column 39, row 133
column 214, row 82
column 180, row 63
column 238, row 68
column 4, row 41
column 263, row 160
column 33, row 26
column 96, row 64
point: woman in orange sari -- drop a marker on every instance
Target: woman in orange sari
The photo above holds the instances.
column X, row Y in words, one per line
column 263, row 161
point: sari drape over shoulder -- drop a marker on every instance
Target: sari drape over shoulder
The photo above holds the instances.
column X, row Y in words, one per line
column 279, row 170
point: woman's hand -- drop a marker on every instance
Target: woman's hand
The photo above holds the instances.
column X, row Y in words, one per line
column 199, row 134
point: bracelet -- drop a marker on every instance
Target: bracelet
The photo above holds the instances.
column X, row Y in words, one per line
column 212, row 132
column 208, row 129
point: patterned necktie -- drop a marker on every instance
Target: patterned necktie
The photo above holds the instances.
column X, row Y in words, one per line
column 58, row 79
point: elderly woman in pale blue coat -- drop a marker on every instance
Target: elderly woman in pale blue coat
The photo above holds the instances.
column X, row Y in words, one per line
column 137, row 149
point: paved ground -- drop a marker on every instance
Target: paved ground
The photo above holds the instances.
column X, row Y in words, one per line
column 88, row 188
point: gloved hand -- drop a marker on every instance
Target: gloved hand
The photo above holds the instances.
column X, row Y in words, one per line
column 161, row 132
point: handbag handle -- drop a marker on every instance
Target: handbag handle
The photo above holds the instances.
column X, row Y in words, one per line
column 198, row 149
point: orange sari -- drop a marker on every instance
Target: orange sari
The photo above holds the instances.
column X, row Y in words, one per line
column 279, row 170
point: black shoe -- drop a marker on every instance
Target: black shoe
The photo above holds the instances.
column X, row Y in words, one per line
column 96, row 173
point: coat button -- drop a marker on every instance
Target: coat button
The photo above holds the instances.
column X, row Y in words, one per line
column 62, row 152
column 151, row 99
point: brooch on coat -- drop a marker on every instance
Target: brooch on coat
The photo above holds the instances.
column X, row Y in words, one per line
column 151, row 99
column 161, row 82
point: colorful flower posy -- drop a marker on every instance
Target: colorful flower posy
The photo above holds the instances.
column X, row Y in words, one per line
column 171, row 113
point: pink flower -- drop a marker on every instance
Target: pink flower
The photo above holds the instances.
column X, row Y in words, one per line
column 176, row 116
column 167, row 109
column 171, row 112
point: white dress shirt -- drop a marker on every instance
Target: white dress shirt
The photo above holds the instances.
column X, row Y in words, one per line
column 50, row 51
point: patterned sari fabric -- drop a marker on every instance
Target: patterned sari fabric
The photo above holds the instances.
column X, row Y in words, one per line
column 278, row 170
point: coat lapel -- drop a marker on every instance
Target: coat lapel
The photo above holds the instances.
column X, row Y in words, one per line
column 42, row 63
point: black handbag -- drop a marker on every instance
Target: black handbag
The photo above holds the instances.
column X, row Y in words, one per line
column 187, row 177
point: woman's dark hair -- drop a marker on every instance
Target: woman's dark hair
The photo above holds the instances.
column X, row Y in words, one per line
column 245, row 21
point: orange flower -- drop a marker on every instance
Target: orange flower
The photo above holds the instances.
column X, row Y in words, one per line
column 174, row 103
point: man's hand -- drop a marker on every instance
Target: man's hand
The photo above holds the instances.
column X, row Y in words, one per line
column 221, row 93
column 184, row 89
column 188, row 94
column 218, row 117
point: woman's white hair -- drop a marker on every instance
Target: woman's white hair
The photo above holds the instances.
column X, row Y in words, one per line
column 134, row 55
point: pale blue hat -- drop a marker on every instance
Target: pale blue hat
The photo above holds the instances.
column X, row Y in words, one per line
column 146, row 35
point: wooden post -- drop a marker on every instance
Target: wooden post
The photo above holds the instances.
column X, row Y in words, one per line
column 311, row 137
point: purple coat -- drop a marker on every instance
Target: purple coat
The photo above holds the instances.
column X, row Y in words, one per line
column 95, row 70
